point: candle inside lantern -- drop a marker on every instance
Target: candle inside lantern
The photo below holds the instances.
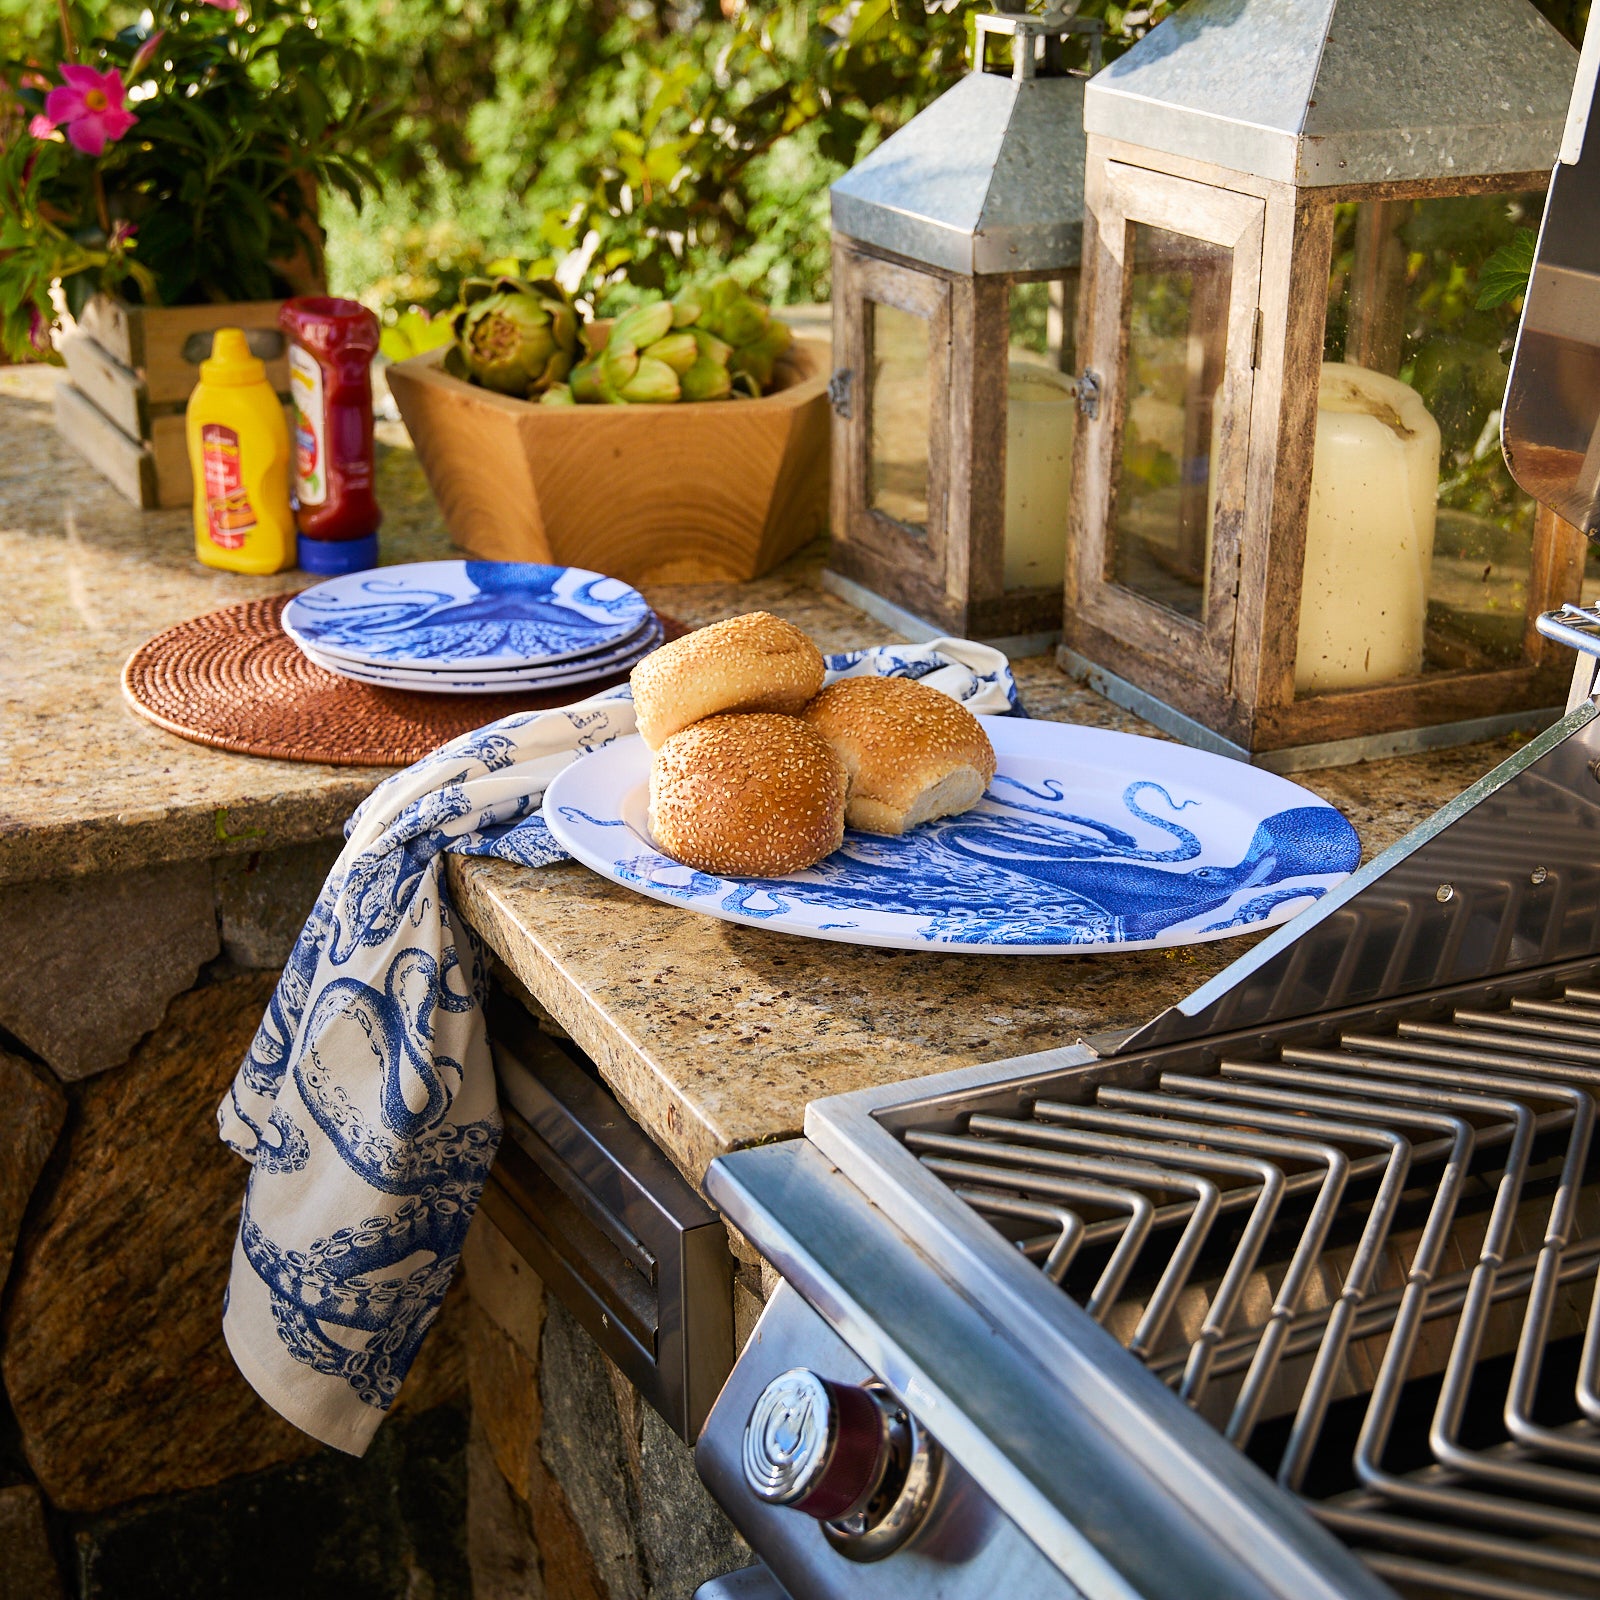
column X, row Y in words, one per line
column 1040, row 411
column 1369, row 534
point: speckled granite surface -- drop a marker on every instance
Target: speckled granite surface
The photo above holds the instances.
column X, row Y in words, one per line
column 84, row 578
column 714, row 1035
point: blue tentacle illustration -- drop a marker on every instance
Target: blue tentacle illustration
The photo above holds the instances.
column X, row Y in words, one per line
column 990, row 877
column 514, row 609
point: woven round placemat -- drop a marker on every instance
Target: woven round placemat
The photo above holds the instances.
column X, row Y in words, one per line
column 235, row 680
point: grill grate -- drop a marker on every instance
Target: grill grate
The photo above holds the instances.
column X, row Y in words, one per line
column 1372, row 1263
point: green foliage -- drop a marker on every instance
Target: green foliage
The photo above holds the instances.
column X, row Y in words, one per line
column 1504, row 276
column 242, row 118
column 36, row 252
column 650, row 142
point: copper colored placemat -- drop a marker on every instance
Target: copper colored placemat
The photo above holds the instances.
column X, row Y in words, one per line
column 235, row 680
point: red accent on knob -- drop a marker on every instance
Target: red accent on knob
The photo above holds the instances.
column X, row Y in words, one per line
column 855, row 1462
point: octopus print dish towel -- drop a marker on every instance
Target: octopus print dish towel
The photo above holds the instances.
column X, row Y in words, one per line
column 1086, row 839
column 366, row 1106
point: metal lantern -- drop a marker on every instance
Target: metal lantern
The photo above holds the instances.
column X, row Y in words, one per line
column 1294, row 536
column 955, row 264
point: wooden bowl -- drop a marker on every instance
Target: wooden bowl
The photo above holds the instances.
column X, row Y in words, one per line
column 711, row 492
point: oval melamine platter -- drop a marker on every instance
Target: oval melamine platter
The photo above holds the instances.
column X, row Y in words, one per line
column 1086, row 840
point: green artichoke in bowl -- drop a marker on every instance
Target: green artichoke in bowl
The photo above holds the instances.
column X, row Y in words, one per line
column 746, row 330
column 515, row 337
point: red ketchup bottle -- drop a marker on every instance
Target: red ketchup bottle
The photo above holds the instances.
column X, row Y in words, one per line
column 331, row 346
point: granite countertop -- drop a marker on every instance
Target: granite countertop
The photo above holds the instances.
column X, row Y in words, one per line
column 88, row 785
column 714, row 1035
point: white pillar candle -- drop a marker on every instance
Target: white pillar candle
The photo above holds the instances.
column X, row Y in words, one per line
column 1040, row 412
column 1369, row 535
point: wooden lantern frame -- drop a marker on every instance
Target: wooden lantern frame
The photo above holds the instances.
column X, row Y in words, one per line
column 951, row 573
column 1232, row 671
column 941, row 221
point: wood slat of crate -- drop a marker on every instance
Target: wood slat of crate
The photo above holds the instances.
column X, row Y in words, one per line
column 152, row 341
column 133, row 369
column 127, row 464
column 116, row 389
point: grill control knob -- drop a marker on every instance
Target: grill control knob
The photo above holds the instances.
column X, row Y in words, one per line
column 818, row 1446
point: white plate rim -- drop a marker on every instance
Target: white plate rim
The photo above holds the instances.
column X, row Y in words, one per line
column 359, row 674
column 1003, row 732
column 486, row 683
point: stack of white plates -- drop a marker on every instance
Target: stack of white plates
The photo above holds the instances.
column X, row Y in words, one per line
column 473, row 627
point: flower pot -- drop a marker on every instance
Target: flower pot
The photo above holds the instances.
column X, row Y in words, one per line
column 719, row 491
column 130, row 370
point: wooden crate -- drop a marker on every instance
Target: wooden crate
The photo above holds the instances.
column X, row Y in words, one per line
column 130, row 371
column 685, row 493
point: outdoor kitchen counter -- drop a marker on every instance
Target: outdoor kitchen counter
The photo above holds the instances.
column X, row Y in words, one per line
column 715, row 1035
column 85, row 578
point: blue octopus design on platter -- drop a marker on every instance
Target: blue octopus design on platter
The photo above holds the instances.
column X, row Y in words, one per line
column 1011, row 872
column 515, row 610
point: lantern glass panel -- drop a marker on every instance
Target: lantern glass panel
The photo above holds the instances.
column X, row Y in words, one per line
column 1178, row 292
column 901, row 406
column 1418, row 542
column 1041, row 413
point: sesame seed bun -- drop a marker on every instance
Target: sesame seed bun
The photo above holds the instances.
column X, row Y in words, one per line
column 911, row 752
column 755, row 662
column 749, row 795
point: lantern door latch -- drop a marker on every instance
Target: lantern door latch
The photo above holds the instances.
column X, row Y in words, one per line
column 839, row 387
column 1088, row 388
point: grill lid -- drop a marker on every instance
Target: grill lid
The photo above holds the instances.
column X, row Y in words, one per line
column 1504, row 877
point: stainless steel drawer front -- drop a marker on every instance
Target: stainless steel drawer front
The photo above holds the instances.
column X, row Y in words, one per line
column 609, row 1224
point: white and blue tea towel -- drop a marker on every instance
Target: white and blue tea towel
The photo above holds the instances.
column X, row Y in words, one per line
column 366, row 1106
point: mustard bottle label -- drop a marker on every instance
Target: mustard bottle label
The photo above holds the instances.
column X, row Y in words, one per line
column 310, row 427
column 229, row 514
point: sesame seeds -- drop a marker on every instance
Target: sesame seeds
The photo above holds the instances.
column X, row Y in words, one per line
column 900, row 741
column 753, row 794
column 756, row 662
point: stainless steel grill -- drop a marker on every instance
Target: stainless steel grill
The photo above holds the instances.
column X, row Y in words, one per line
column 1368, row 1263
column 1339, row 1204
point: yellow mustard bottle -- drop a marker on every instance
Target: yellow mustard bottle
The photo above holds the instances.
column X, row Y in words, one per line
column 239, row 454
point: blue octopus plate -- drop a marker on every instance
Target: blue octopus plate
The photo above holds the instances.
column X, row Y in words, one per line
column 1086, row 840
column 466, row 615
column 558, row 675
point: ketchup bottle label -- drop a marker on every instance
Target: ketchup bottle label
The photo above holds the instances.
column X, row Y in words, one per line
column 229, row 514
column 310, row 427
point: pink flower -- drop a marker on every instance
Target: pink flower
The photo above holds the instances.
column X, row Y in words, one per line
column 41, row 127
column 122, row 236
column 224, row 5
column 145, row 54
column 89, row 105
column 38, row 330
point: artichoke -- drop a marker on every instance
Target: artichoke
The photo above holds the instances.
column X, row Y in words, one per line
column 709, row 343
column 515, row 337
column 636, row 359
column 752, row 336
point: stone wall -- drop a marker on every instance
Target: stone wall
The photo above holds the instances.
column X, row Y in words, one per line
column 134, row 1460
column 578, row 1490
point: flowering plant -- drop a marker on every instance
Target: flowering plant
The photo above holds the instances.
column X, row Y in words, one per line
column 177, row 161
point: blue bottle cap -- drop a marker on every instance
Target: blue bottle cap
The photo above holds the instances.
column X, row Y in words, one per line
column 329, row 558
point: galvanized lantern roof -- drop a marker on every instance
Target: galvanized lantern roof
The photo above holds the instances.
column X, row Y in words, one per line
column 1326, row 92
column 989, row 178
